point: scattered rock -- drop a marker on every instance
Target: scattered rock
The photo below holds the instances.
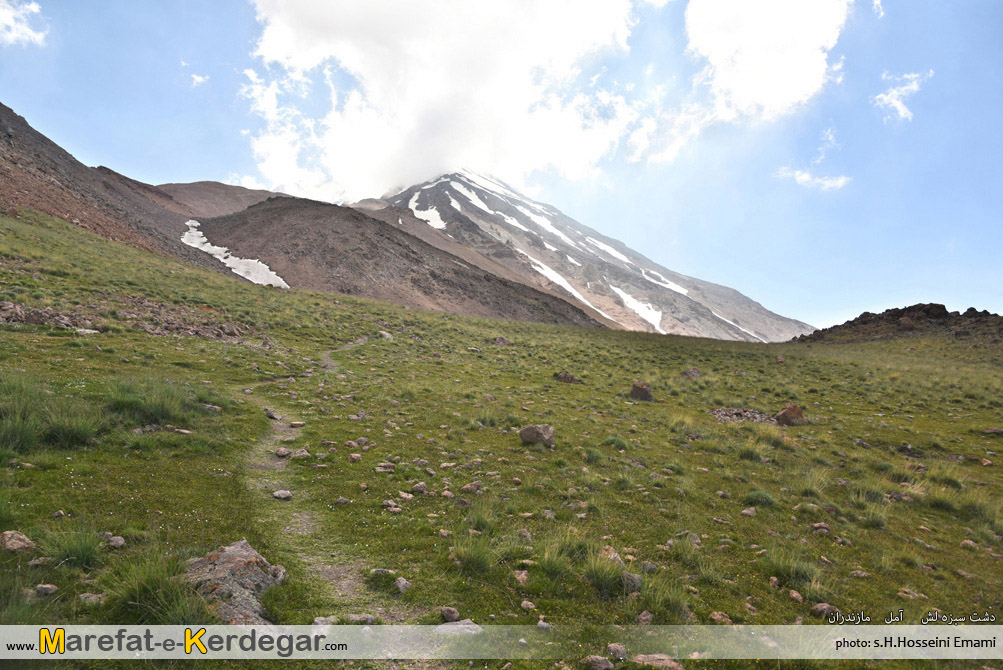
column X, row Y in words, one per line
column 527, row 605
column 797, row 597
column 282, row 494
column 365, row 619
column 632, row 582
column 738, row 415
column 402, row 584
column 354, row 458
column 91, row 598
column 692, row 373
column 538, row 434
column 45, row 590
column 720, row 617
column 648, row 567
column 297, row 424
column 824, row 609
column 283, row 452
column 616, row 650
column 860, row 574
column 116, row 542
column 656, row 661
column 15, row 542
column 749, row 511
column 645, row 618
column 790, row 415
column 598, row 663
column 521, row 576
column 567, row 378
column 450, row 614
column 232, row 578
column 993, row 431
column 301, row 453
column 641, row 392
column 610, row 554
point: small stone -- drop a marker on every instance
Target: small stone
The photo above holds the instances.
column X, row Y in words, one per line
column 720, row 617
column 342, row 501
column 527, row 605
column 354, row 458
column 419, row 488
column 116, row 542
column 450, row 614
column 656, row 661
column 91, row 598
column 366, row 619
column 616, row 650
column 749, row 511
column 632, row 582
column 969, row 544
column 598, row 663
column 297, row 424
column 283, row 452
column 46, row 589
column 445, row 533
column 282, row 494
column 648, row 568
column 824, row 609
column 301, row 453
column 402, row 584
column 58, row 514
column 645, row 618
column 859, row 573
column 796, row 597
column 521, row 576
column 538, row 434
column 774, row 583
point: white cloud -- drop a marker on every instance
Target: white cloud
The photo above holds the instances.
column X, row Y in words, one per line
column 414, row 89
column 199, row 79
column 878, row 9
column 762, row 60
column 408, row 90
column 892, row 101
column 806, row 178
column 16, row 19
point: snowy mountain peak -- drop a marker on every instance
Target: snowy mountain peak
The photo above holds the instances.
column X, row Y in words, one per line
column 554, row 252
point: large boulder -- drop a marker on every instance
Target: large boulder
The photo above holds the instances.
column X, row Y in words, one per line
column 15, row 542
column 641, row 391
column 232, row 579
column 790, row 415
column 539, row 434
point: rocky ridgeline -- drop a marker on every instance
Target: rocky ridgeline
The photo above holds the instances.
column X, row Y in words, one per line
column 932, row 319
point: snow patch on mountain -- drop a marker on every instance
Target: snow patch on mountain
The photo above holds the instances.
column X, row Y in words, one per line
column 471, row 197
column 642, row 309
column 556, row 277
column 252, row 270
column 573, row 261
column 429, row 216
column 737, row 326
column 608, row 249
column 664, row 282
column 545, row 223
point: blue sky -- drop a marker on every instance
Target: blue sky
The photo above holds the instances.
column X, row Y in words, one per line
column 825, row 158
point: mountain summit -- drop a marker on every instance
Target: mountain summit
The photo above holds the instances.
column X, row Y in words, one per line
column 549, row 249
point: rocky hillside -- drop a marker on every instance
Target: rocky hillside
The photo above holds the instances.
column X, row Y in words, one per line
column 544, row 247
column 209, row 199
column 325, row 247
column 922, row 319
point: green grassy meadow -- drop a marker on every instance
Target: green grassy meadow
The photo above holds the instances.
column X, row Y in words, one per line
column 891, row 461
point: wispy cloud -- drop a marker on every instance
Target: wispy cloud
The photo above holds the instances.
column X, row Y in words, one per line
column 199, row 79
column 805, row 177
column 17, row 19
column 892, row 101
column 879, row 11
